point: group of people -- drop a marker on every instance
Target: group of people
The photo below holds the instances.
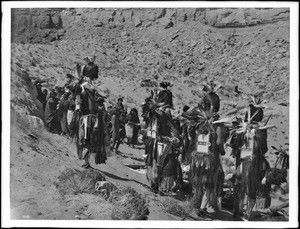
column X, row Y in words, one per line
column 195, row 139
column 123, row 125
column 59, row 107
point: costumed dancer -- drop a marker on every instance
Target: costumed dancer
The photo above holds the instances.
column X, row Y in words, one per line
column 207, row 139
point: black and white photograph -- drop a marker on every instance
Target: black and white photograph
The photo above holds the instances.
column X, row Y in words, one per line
column 171, row 114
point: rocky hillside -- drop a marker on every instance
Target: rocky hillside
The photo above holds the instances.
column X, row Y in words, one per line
column 185, row 46
column 247, row 48
column 44, row 21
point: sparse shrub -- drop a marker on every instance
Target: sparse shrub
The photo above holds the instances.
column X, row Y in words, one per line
column 73, row 181
column 105, row 188
column 172, row 207
column 270, row 216
column 128, row 205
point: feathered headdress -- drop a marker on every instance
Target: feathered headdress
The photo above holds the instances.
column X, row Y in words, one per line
column 211, row 87
column 90, row 59
column 166, row 84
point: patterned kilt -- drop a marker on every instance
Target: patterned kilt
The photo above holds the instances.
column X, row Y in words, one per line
column 203, row 170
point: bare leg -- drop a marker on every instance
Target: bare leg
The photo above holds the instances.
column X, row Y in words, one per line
column 86, row 158
column 250, row 205
column 213, row 202
column 117, row 146
column 205, row 198
column 204, row 202
column 113, row 145
column 219, row 203
column 237, row 201
column 242, row 203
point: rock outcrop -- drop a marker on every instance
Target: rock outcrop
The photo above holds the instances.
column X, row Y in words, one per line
column 47, row 25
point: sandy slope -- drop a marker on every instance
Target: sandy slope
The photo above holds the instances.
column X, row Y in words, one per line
column 36, row 164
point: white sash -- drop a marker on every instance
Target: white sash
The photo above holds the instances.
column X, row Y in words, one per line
column 162, row 150
column 203, row 143
column 247, row 149
column 152, row 131
column 70, row 114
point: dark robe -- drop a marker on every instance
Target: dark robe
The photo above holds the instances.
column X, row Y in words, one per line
column 62, row 114
column 50, row 116
column 91, row 71
column 122, row 122
column 133, row 121
column 115, row 130
column 120, row 107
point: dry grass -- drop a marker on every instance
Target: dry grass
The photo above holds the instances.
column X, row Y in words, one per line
column 73, row 181
column 171, row 206
column 128, row 205
column 270, row 216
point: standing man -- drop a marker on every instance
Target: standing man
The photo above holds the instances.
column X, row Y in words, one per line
column 122, row 118
column 120, row 105
column 134, row 126
column 115, row 129
column 50, row 116
column 62, row 113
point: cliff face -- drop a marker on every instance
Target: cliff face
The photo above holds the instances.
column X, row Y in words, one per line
column 46, row 25
column 35, row 25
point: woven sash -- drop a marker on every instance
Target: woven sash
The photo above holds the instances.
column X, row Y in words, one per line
column 89, row 123
column 162, row 150
column 152, row 131
column 203, row 143
column 77, row 102
column 247, row 148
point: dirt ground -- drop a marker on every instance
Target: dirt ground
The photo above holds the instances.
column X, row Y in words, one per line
column 38, row 158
